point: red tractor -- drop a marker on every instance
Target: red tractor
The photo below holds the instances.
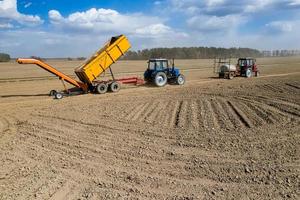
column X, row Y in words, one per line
column 245, row 67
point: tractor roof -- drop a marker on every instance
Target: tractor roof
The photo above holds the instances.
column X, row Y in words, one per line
column 157, row 59
column 247, row 58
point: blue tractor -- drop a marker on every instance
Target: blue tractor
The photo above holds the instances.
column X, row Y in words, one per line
column 160, row 72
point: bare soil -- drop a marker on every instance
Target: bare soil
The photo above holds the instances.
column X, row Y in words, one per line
column 209, row 139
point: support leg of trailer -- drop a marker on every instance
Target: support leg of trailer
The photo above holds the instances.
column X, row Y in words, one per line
column 66, row 89
column 112, row 74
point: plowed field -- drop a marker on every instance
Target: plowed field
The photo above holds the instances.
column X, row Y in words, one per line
column 209, row 139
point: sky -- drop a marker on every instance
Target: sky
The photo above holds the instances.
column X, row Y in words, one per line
column 72, row 28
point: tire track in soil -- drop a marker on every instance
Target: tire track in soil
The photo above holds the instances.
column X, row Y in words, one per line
column 231, row 115
column 93, row 158
column 261, row 109
column 107, row 133
column 195, row 114
column 210, row 115
column 139, row 111
column 172, row 170
column 221, row 115
column 273, row 111
column 101, row 146
column 181, row 115
column 281, row 108
column 242, row 117
column 4, row 126
column 172, row 117
column 293, row 86
column 69, row 144
column 156, row 115
column 147, row 111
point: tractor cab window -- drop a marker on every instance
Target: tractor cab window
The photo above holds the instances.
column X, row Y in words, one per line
column 250, row 62
column 152, row 65
column 161, row 65
column 158, row 65
column 243, row 63
column 165, row 64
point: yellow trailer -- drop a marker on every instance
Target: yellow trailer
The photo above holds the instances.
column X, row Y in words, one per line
column 103, row 59
column 92, row 68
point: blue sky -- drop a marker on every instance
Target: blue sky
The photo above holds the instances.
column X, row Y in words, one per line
column 61, row 28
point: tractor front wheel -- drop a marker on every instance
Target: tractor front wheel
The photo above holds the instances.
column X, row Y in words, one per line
column 180, row 80
column 160, row 79
column 101, row 88
column 257, row 74
column 248, row 73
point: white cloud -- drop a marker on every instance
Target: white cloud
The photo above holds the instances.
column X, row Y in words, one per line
column 9, row 12
column 294, row 3
column 212, row 3
column 154, row 29
column 5, row 25
column 281, row 26
column 109, row 21
column 157, row 3
column 214, row 23
column 27, row 4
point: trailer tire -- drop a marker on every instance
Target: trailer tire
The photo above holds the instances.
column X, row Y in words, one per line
column 160, row 79
column 248, row 73
column 101, row 88
column 115, row 86
column 231, row 75
column 52, row 93
column 58, row 95
column 180, row 79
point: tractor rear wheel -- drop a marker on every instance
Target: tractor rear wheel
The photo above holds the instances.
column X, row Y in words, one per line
column 101, row 88
column 115, row 86
column 180, row 80
column 160, row 79
column 248, row 73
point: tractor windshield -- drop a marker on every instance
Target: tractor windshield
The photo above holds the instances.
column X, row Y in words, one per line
column 246, row 62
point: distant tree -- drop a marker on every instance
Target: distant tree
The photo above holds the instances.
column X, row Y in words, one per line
column 4, row 57
column 81, row 58
column 191, row 53
column 69, row 59
column 38, row 58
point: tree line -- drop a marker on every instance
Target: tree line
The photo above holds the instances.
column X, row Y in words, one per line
column 191, row 53
column 4, row 57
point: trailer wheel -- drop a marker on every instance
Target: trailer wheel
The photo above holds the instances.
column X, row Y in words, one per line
column 115, row 86
column 231, row 75
column 180, row 80
column 101, row 88
column 58, row 95
column 248, row 73
column 160, row 79
column 52, row 93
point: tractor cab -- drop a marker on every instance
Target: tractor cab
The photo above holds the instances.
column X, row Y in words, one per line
column 160, row 71
column 247, row 66
column 158, row 64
